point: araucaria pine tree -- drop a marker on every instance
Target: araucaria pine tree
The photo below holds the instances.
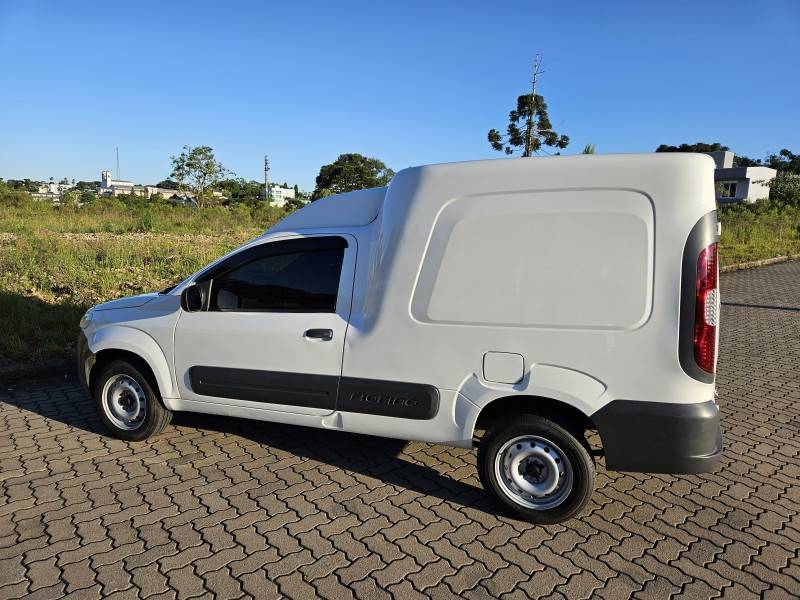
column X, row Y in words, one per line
column 529, row 126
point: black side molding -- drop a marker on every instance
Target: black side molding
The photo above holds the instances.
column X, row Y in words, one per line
column 660, row 437
column 388, row 398
column 272, row 387
column 366, row 396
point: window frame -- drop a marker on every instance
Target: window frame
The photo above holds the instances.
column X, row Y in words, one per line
column 726, row 187
column 276, row 247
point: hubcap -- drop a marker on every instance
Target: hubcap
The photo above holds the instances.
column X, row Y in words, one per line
column 124, row 402
column 534, row 472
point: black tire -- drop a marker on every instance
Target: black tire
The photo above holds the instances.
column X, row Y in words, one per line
column 571, row 500
column 155, row 418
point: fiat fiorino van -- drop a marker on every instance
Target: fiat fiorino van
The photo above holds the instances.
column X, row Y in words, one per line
column 517, row 305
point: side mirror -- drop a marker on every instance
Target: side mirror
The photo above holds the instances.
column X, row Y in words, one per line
column 192, row 298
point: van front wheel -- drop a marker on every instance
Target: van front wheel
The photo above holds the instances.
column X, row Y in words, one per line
column 536, row 468
column 127, row 403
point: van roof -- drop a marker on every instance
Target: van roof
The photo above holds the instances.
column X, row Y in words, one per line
column 351, row 209
column 359, row 208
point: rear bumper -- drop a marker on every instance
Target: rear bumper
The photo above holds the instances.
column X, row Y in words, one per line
column 660, row 437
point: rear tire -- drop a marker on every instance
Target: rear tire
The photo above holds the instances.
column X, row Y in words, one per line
column 127, row 402
column 537, row 469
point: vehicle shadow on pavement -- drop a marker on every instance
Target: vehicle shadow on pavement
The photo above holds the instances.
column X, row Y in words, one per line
column 35, row 334
column 431, row 470
column 384, row 459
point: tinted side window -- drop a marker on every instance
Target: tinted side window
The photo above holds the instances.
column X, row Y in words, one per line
column 305, row 281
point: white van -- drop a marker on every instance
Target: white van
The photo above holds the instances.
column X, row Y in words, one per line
column 530, row 300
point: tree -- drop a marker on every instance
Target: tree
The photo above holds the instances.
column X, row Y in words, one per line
column 25, row 185
column 241, row 191
column 91, row 186
column 746, row 161
column 698, row 147
column 351, row 172
column 13, row 196
column 167, row 184
column 197, row 170
column 785, row 188
column 293, row 204
column 589, row 149
column 784, row 162
column 71, row 198
column 538, row 130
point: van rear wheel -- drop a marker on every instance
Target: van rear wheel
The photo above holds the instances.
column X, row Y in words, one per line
column 536, row 469
column 127, row 403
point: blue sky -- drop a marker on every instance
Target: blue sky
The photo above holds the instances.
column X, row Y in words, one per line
column 407, row 82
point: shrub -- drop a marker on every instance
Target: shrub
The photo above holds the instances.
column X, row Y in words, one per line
column 785, row 188
column 11, row 197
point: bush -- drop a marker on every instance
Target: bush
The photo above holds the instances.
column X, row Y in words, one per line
column 11, row 197
column 785, row 188
column 102, row 204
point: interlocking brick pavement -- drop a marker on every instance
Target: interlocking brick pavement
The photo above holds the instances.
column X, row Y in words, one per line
column 225, row 508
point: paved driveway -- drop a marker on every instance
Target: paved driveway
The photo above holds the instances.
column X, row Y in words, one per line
column 224, row 508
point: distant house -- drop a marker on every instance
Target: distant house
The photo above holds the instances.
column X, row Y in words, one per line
column 51, row 191
column 279, row 195
column 740, row 184
column 119, row 187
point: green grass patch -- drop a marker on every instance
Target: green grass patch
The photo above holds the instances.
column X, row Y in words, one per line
column 57, row 262
column 755, row 232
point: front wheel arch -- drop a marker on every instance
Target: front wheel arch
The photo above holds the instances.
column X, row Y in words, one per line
column 106, row 357
column 137, row 343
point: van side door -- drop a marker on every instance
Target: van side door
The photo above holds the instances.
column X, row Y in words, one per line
column 271, row 331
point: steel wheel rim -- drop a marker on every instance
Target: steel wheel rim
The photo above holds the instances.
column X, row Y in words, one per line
column 534, row 472
column 124, row 402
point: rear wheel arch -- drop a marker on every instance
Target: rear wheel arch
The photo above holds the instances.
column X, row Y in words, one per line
column 508, row 407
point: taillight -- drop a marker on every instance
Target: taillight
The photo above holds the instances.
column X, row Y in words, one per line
column 706, row 316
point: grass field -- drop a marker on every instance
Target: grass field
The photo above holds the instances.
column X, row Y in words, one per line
column 755, row 234
column 55, row 263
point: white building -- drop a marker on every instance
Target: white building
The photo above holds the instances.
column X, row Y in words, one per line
column 119, row 187
column 51, row 191
column 279, row 195
column 740, row 184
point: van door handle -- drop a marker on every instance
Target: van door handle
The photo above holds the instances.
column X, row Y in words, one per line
column 320, row 335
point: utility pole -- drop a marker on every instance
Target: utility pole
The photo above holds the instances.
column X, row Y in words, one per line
column 266, row 178
column 537, row 63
